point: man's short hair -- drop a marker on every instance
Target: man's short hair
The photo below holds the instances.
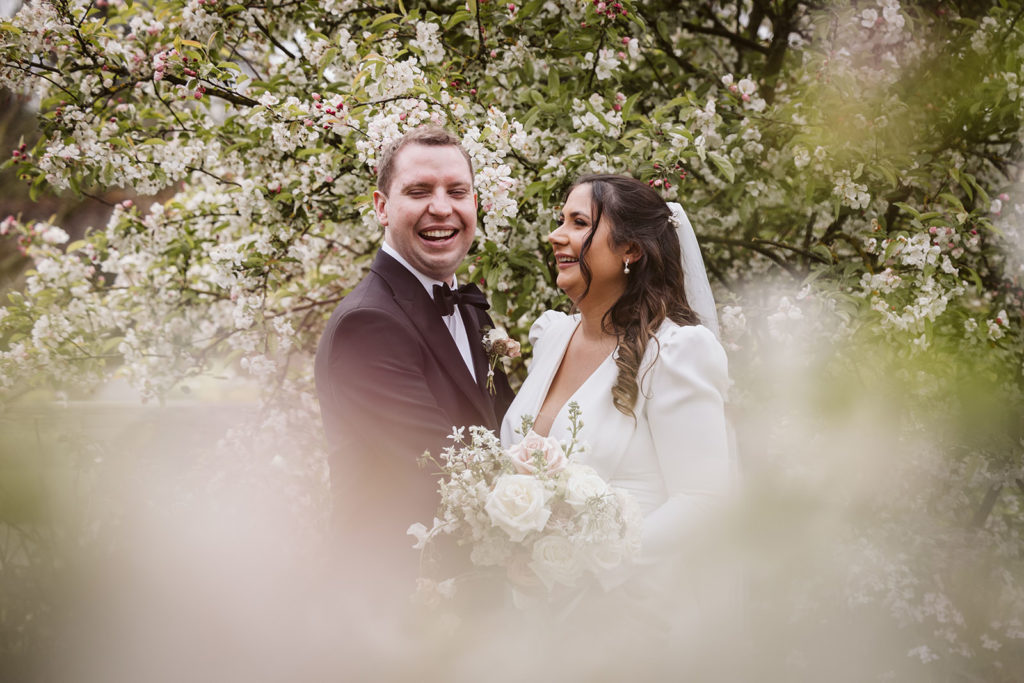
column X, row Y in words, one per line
column 429, row 135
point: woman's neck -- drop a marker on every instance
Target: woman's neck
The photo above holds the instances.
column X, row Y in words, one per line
column 592, row 316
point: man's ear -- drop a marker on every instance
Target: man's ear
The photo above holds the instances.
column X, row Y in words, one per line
column 380, row 205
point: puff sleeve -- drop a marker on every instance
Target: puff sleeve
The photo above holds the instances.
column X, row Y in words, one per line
column 686, row 417
column 543, row 324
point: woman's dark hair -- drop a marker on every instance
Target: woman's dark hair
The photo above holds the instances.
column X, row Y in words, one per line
column 654, row 288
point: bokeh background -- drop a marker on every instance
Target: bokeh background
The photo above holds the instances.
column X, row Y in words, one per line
column 186, row 197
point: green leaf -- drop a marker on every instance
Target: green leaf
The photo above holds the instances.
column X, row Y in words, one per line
column 888, row 174
column 909, row 209
column 457, row 18
column 723, row 165
column 553, row 83
column 824, row 252
column 384, row 19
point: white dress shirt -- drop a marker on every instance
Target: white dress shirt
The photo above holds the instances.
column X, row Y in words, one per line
column 456, row 326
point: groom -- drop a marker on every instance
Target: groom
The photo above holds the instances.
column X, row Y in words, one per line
column 401, row 360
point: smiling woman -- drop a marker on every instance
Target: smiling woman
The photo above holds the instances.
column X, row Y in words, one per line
column 649, row 379
column 576, row 237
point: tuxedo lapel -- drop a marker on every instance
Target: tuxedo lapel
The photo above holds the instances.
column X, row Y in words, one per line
column 471, row 319
column 413, row 299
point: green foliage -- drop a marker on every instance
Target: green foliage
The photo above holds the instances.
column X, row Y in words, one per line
column 851, row 169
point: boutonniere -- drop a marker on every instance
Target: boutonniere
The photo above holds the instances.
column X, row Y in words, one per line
column 498, row 345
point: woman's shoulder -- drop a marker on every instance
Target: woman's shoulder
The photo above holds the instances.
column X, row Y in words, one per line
column 548, row 323
column 673, row 333
column 692, row 347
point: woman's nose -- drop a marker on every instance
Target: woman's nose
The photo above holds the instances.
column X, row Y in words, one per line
column 557, row 235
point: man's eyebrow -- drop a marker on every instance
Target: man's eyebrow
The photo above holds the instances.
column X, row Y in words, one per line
column 421, row 185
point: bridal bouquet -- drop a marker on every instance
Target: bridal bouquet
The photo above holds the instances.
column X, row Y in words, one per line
column 531, row 510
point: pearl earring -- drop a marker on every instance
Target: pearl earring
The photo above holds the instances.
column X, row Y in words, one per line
column 625, row 268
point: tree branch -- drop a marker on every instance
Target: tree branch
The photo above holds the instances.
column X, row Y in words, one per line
column 272, row 39
column 756, row 247
column 721, row 31
column 216, row 91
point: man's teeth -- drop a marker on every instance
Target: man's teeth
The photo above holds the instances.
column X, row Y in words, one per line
column 437, row 234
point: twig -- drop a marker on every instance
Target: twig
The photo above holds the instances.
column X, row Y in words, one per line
column 987, row 503
column 272, row 39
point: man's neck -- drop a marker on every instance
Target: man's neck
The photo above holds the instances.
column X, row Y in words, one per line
column 427, row 281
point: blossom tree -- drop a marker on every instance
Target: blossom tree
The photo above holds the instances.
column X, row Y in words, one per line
column 851, row 168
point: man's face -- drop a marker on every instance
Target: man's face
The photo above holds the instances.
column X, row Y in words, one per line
column 429, row 212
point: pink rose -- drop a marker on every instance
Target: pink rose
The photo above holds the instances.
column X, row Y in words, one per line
column 536, row 453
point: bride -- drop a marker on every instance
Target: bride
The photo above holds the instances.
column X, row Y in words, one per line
column 645, row 367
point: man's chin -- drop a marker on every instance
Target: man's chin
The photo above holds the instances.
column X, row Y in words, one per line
column 443, row 270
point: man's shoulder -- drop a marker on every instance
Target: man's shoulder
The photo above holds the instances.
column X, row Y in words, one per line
column 371, row 292
column 370, row 300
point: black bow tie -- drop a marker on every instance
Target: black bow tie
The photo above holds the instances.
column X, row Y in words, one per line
column 447, row 298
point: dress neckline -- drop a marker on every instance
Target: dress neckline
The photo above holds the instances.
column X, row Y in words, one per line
column 550, row 378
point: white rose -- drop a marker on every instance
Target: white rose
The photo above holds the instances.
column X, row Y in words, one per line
column 583, row 484
column 555, row 561
column 518, row 504
column 601, row 558
column 536, row 453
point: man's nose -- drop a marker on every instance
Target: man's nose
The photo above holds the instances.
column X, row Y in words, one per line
column 440, row 204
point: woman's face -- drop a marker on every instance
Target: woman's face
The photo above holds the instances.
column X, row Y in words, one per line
column 605, row 261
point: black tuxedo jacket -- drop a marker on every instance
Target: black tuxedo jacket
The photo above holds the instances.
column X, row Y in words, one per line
column 392, row 384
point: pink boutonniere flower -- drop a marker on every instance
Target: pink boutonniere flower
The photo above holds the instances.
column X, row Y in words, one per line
column 498, row 345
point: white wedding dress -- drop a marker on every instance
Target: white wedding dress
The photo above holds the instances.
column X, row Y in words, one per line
column 674, row 458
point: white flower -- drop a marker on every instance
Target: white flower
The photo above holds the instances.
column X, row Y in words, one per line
column 493, row 549
column 892, row 15
column 801, row 157
column 746, row 86
column 420, row 533
column 602, row 558
column 555, row 561
column 990, row 643
column 869, row 18
column 54, row 235
column 854, row 195
column 518, row 504
column 997, row 327
column 924, row 653
column 583, row 484
column 427, row 40
column 607, row 62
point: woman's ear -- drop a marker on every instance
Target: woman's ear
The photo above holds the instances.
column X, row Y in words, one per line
column 633, row 252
